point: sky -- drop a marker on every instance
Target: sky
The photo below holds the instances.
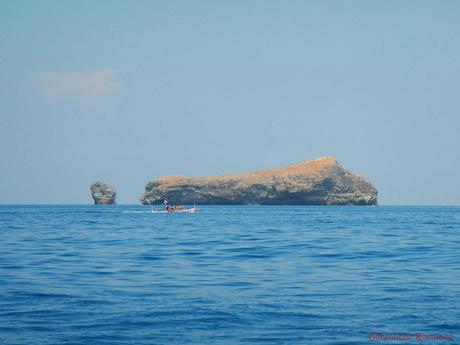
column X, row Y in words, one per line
column 126, row 91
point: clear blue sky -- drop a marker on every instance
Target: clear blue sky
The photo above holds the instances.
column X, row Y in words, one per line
column 125, row 91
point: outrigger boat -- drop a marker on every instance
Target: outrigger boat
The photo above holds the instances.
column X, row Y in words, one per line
column 179, row 210
column 187, row 210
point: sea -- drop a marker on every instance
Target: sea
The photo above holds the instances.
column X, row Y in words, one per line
column 80, row 274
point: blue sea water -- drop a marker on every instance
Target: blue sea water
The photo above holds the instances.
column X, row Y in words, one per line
column 227, row 274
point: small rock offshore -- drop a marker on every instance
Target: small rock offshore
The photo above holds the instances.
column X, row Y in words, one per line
column 103, row 193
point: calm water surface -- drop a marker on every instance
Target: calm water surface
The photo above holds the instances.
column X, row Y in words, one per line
column 227, row 275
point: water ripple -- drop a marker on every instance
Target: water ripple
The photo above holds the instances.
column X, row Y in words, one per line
column 227, row 275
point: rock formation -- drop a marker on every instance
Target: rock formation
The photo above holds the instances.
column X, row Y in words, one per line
column 317, row 182
column 103, row 194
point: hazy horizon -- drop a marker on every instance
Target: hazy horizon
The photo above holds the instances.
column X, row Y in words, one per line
column 125, row 92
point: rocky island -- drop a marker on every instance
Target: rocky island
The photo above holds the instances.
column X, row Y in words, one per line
column 103, row 193
column 322, row 181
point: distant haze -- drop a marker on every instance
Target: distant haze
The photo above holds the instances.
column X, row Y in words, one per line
column 123, row 92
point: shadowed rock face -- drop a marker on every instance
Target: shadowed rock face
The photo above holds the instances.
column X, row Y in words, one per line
column 103, row 194
column 317, row 182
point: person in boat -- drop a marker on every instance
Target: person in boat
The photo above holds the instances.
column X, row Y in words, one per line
column 166, row 204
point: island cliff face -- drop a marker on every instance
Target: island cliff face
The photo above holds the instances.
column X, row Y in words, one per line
column 317, row 182
column 103, row 194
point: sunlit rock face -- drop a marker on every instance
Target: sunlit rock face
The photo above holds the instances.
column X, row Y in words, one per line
column 102, row 193
column 321, row 181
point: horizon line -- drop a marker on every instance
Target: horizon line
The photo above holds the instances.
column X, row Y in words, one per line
column 139, row 204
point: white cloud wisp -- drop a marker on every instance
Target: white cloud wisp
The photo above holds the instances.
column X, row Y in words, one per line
column 83, row 86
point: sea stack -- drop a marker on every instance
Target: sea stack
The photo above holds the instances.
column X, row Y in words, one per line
column 103, row 193
column 322, row 181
